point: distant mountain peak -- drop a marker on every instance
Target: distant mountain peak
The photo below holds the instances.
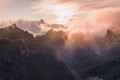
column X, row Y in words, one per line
column 42, row 21
column 12, row 26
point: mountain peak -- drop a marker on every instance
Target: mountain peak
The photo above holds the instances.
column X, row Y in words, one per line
column 12, row 26
column 42, row 21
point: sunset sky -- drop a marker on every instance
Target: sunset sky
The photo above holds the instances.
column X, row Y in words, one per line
column 60, row 11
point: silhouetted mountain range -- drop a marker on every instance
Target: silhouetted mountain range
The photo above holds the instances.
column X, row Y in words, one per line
column 25, row 57
column 20, row 61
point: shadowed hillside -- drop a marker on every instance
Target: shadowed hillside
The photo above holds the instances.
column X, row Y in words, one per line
column 18, row 61
column 47, row 57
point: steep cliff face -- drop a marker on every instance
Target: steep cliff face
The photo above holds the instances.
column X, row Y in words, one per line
column 22, row 60
column 13, row 32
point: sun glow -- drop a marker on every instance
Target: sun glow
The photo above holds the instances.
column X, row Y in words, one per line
column 63, row 13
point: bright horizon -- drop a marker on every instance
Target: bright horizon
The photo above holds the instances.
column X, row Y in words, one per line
column 56, row 11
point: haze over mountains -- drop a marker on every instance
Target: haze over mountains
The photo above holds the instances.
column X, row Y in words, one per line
column 39, row 27
column 58, row 54
column 24, row 57
column 59, row 39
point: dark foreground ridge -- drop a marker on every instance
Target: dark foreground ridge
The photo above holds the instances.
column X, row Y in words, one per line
column 22, row 58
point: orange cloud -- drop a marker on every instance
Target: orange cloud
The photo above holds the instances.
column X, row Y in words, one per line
column 74, row 7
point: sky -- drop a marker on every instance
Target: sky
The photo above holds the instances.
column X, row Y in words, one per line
column 59, row 11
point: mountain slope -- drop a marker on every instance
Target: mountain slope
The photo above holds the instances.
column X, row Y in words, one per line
column 109, row 68
column 22, row 60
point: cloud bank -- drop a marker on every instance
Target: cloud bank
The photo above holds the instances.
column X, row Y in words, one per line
column 88, row 16
column 81, row 15
column 75, row 7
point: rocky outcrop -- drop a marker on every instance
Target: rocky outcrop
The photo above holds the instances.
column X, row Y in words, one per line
column 24, row 60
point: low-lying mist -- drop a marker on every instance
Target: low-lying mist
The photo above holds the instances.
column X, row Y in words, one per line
column 84, row 47
column 83, row 30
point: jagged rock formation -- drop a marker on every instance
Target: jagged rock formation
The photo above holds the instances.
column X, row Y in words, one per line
column 13, row 32
column 42, row 22
column 22, row 58
column 34, row 58
column 37, row 27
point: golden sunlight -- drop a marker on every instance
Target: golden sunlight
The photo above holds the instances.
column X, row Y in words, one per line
column 63, row 13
